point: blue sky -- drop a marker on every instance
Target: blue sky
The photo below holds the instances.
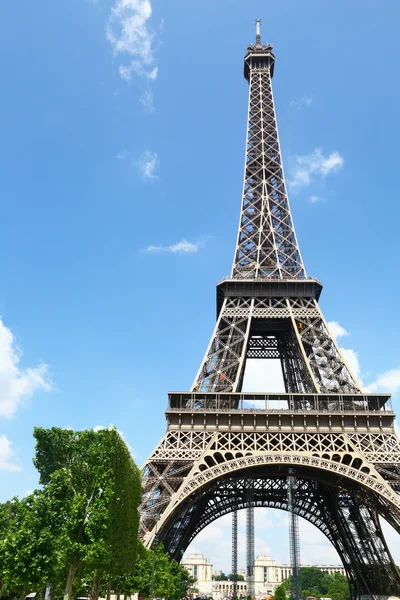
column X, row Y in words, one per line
column 122, row 163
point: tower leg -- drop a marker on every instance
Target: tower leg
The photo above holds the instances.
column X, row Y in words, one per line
column 376, row 574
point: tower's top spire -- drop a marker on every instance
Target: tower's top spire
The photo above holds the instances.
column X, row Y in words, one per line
column 258, row 32
column 259, row 52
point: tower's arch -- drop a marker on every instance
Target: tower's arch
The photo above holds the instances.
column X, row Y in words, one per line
column 333, row 500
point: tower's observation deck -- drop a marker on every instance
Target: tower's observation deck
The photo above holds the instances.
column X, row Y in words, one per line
column 259, row 57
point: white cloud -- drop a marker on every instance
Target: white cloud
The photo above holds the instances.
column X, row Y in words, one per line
column 337, row 330
column 6, row 455
column 215, row 541
column 16, row 384
column 148, row 164
column 182, row 247
column 301, row 102
column 264, row 374
column 271, row 539
column 392, row 538
column 129, row 34
column 136, row 67
column 349, row 355
column 389, row 381
column 314, row 165
column 147, row 101
column 122, row 155
column 314, row 199
column 261, row 548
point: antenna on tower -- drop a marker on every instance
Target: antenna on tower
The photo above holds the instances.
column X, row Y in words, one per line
column 258, row 32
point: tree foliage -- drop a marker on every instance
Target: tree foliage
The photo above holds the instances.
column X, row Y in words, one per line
column 79, row 531
column 338, row 587
column 230, row 577
column 82, row 524
column 280, row 593
column 100, row 516
column 315, row 582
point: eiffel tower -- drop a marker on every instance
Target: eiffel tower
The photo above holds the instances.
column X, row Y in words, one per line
column 225, row 449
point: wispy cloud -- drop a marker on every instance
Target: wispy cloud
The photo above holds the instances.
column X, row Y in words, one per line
column 137, row 67
column 314, row 199
column 350, row 355
column 273, row 540
column 337, row 330
column 122, row 155
column 129, row 34
column 314, row 165
column 17, row 384
column 147, row 101
column 389, row 381
column 148, row 164
column 182, row 247
column 6, row 455
column 304, row 101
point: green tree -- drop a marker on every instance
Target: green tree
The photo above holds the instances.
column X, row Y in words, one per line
column 141, row 577
column 187, row 582
column 314, row 580
column 6, row 517
column 280, row 592
column 220, row 577
column 28, row 548
column 103, row 490
column 167, row 576
column 338, row 587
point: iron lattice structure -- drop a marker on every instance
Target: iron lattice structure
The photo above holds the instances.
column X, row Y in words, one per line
column 235, row 551
column 250, row 542
column 225, row 450
column 294, row 536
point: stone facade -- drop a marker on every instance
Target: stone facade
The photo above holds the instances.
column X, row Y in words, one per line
column 267, row 575
column 201, row 569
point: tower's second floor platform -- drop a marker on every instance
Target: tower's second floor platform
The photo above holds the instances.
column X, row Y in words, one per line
column 283, row 411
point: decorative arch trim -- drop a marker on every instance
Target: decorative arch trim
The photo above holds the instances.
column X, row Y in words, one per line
column 374, row 483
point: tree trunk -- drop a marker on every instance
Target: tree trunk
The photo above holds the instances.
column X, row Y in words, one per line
column 108, row 591
column 70, row 579
column 23, row 593
column 118, row 594
column 96, row 586
column 48, row 595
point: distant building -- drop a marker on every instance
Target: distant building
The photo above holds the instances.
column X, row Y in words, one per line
column 331, row 569
column 268, row 574
column 224, row 589
column 201, row 569
column 266, row 571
